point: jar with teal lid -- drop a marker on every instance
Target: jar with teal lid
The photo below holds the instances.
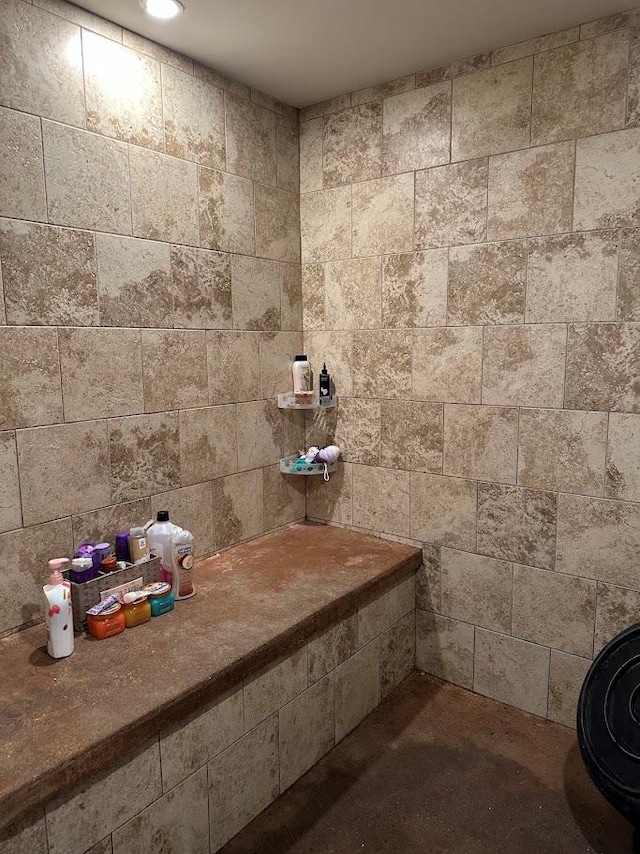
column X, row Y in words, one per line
column 161, row 597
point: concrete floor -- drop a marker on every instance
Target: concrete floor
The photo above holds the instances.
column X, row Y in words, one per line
column 437, row 769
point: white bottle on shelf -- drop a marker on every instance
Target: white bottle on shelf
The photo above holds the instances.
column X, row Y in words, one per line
column 58, row 613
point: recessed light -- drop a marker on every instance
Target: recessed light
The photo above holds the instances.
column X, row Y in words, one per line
column 163, row 9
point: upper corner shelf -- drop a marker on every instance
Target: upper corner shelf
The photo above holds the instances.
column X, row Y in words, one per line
column 287, row 401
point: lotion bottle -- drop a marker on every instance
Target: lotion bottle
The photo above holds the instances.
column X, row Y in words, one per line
column 159, row 538
column 58, row 613
column 182, row 548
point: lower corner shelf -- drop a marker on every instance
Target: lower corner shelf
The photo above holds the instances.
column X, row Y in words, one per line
column 295, row 465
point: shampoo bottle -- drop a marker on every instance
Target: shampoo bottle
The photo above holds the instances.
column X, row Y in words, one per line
column 182, row 547
column 58, row 612
column 159, row 537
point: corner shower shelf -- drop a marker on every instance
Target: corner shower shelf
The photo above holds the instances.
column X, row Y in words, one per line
column 287, row 401
column 293, row 465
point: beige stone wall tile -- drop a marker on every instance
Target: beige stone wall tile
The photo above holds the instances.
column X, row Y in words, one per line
column 599, row 539
column 447, row 364
column 622, row 476
column 311, row 155
column 238, row 508
column 607, row 193
column 105, row 846
column 234, row 366
column 306, row 730
column 323, row 108
column 202, row 288
column 164, row 197
column 354, row 425
column 255, row 284
column 618, row 609
column 80, row 16
column 451, row 204
column 208, row 445
column 397, row 653
column 194, row 120
column 602, row 367
column 481, row 442
column 313, row 296
column 288, row 153
column 284, row 498
column 517, row 524
column 381, row 499
column 123, row 92
column 87, row 179
column 628, row 304
column 49, row 274
column 273, row 687
column 357, row 687
column 251, row 140
column 134, row 282
column 553, row 609
column 383, row 215
column 524, row 365
column 277, row 223
column 334, row 348
column 562, row 450
column 190, row 507
column 291, row 297
column 444, row 648
column 381, row 364
column 103, row 524
column 10, row 510
column 491, row 110
column 609, row 23
column 273, row 104
column 3, row 317
column 332, row 648
column 352, row 145
column 157, row 51
column 476, row 589
column 84, row 816
column 109, row 363
column 145, row 455
column 531, row 192
column 332, row 502
column 512, row 671
column 220, row 81
column 572, row 277
column 416, row 129
column 259, row 434
column 353, row 293
column 428, row 587
column 29, row 377
column 277, row 351
column 566, row 676
column 536, row 45
column 381, row 613
column 174, row 366
column 443, row 510
column 29, row 836
column 227, row 219
column 414, row 289
column 487, row 283
column 455, row 68
column 383, row 90
column 633, row 98
column 22, row 193
column 242, row 782
column 411, row 435
column 42, row 64
column 325, row 224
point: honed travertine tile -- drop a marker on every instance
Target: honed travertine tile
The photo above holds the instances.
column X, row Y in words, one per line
column 554, row 609
column 64, row 469
column 80, row 16
column 414, row 289
column 332, row 647
column 411, row 435
column 42, row 64
column 566, row 676
column 455, row 68
column 381, row 613
column 357, row 687
column 277, row 351
column 517, row 524
column 397, row 653
column 177, row 822
column 537, row 45
column 277, row 223
column 273, row 104
column 106, row 361
column 29, row 836
column 284, row 498
column 562, row 450
column 491, row 110
column 443, row 510
column 84, row 816
column 336, row 349
column 234, row 366
column 92, row 527
column 255, row 284
column 622, row 477
column 325, row 223
column 145, row 455
column 618, row 609
column 383, row 215
column 226, row 212
column 3, row 316
column 383, row 90
column 164, row 197
column 323, row 108
column 512, row 671
column 451, row 204
column 599, row 539
column 190, row 507
column 628, row 307
column 602, row 366
column 381, row 364
column 287, row 153
column 251, row 140
column 487, row 283
column 447, row 364
column 22, row 192
column 609, row 23
column 10, row 512
column 476, row 589
column 273, row 687
column 260, row 434
column 444, row 648
column 607, row 191
column 306, row 730
column 123, row 92
column 381, row 499
column 428, row 578
column 158, row 51
column 174, row 367
column 291, row 297
column 193, row 118
column 242, row 782
column 352, row 145
column 29, row 377
column 221, row 81
column 49, row 274
column 201, row 281
column 416, row 129
column 87, row 179
column 481, row 442
column 633, row 98
column 524, row 365
column 313, row 296
column 311, row 155
column 353, row 294
column 134, row 282
column 354, row 426
column 208, row 446
column 332, row 502
column 105, row 846
column 293, row 434
column 237, row 507
column 531, row 192
column 572, row 277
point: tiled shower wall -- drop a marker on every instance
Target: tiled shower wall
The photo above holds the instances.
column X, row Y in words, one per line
column 471, row 274
column 149, row 295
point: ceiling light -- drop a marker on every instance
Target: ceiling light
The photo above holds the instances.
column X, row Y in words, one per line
column 163, row 9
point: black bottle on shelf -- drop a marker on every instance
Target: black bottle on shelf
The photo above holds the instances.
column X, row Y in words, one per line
column 324, row 384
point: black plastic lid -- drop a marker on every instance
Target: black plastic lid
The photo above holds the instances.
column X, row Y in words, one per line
column 163, row 516
column 324, row 368
column 301, row 358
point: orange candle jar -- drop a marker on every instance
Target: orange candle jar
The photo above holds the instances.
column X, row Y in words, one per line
column 137, row 609
column 107, row 623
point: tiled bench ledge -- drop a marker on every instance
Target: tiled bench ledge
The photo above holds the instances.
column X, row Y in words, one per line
column 292, row 640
